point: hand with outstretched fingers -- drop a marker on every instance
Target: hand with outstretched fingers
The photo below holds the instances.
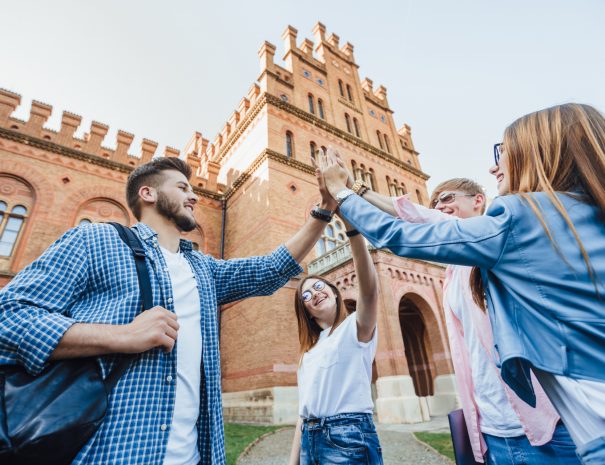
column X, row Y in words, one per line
column 335, row 176
column 327, row 201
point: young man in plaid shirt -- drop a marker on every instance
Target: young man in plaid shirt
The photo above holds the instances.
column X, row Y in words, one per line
column 81, row 298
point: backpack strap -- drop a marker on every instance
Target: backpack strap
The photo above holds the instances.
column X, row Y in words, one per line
column 133, row 242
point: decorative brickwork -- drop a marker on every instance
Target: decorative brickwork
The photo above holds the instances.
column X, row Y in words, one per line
column 255, row 192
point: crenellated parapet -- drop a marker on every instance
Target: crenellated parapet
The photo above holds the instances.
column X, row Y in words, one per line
column 92, row 145
column 205, row 171
column 405, row 134
column 211, row 151
column 325, row 56
column 316, row 81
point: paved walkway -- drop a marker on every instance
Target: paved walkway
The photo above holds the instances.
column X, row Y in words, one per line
column 399, row 447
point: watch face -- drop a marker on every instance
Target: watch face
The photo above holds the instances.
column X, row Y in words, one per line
column 343, row 194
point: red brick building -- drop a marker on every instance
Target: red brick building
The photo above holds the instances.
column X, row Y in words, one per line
column 256, row 188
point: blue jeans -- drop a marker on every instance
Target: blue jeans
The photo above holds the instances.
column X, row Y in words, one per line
column 561, row 450
column 347, row 438
column 593, row 453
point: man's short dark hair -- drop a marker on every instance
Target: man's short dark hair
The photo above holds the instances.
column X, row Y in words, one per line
column 150, row 174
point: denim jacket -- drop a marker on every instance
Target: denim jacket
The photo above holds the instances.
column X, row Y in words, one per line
column 543, row 302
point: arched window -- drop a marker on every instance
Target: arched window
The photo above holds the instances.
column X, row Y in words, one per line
column 349, row 93
column 320, row 108
column 101, row 209
column 313, row 149
column 386, row 143
column 357, row 171
column 16, row 206
column 356, row 126
column 324, row 149
column 289, row 144
column 379, row 136
column 395, row 189
column 10, row 227
column 311, row 104
column 419, row 197
column 332, row 237
column 371, row 180
column 348, row 121
column 341, row 88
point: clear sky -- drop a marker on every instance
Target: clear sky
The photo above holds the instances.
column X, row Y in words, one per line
column 457, row 71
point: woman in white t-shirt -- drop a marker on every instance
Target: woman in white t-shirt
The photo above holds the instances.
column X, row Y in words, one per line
column 335, row 371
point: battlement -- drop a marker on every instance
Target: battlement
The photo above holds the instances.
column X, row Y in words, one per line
column 326, row 45
column 405, row 134
column 93, row 141
column 326, row 60
column 210, row 151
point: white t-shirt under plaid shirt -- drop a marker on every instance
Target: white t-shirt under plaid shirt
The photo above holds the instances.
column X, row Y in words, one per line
column 89, row 276
column 182, row 440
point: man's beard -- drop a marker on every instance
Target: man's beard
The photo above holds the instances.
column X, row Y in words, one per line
column 170, row 210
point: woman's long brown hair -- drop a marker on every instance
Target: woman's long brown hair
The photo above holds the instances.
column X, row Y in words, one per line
column 559, row 149
column 308, row 329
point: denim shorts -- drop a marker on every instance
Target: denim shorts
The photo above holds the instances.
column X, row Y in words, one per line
column 347, row 438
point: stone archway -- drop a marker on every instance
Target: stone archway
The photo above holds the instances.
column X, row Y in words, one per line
column 424, row 349
column 350, row 305
column 417, row 347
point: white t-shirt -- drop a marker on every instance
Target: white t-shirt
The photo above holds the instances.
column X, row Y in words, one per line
column 335, row 376
column 580, row 403
column 496, row 414
column 182, row 442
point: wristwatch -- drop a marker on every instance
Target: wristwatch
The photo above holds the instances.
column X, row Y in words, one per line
column 342, row 195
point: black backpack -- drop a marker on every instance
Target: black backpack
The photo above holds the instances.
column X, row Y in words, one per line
column 46, row 419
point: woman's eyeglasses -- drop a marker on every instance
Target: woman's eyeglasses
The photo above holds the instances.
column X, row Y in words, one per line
column 498, row 152
column 449, row 197
column 308, row 295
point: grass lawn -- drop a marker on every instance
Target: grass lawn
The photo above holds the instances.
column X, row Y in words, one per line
column 237, row 437
column 441, row 442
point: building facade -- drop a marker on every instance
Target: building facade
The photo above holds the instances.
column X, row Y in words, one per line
column 256, row 187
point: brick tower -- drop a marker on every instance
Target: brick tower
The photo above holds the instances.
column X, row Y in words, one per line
column 312, row 100
column 256, row 188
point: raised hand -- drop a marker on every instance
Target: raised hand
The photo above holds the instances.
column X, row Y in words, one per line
column 341, row 162
column 334, row 175
column 327, row 201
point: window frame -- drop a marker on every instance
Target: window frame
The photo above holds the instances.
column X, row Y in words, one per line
column 6, row 216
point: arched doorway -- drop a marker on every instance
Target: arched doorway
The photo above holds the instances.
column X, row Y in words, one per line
column 417, row 347
column 350, row 306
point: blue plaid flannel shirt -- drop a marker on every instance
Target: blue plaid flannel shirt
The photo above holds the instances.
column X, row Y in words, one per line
column 89, row 275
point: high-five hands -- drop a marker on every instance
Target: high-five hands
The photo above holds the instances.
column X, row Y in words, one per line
column 327, row 201
column 330, row 168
